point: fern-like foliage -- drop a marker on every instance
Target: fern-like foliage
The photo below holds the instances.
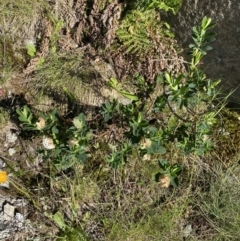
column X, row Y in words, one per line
column 139, row 30
column 141, row 24
column 136, row 30
column 164, row 5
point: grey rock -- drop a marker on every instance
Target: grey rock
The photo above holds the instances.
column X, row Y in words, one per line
column 2, row 164
column 11, row 137
column 11, row 151
column 8, row 212
column 187, row 230
column 19, row 220
column 226, row 47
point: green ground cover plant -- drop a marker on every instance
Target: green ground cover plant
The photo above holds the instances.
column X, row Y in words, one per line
column 69, row 144
column 166, row 5
column 153, row 168
column 186, row 99
column 183, row 94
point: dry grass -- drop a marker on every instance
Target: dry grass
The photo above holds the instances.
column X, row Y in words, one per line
column 21, row 22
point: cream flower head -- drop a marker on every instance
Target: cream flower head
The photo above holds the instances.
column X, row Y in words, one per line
column 48, row 143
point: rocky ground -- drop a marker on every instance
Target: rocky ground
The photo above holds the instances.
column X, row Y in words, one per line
column 14, row 210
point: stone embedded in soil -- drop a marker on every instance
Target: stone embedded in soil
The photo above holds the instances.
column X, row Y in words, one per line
column 7, row 213
column 11, row 151
column 187, row 230
column 13, row 223
column 20, row 220
column 2, row 164
column 11, row 138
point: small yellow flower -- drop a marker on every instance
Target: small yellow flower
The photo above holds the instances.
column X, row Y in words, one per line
column 146, row 157
column 41, row 123
column 165, row 181
column 72, row 142
column 145, row 143
column 3, row 177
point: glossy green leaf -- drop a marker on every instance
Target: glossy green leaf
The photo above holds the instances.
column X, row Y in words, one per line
column 128, row 95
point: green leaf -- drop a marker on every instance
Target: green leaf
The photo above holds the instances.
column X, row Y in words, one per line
column 58, row 26
column 163, row 164
column 53, row 116
column 140, row 117
column 128, row 95
column 170, row 34
column 195, row 30
column 207, row 22
column 69, row 94
column 64, row 164
column 204, row 22
column 31, row 50
column 82, row 156
column 191, row 85
column 156, row 148
column 207, row 48
column 40, row 62
column 55, row 130
column 59, row 220
column 167, row 25
column 178, row 79
column 113, row 83
column 108, row 105
column 53, row 50
column 79, row 121
column 211, row 25
column 168, row 78
column 174, row 181
column 160, row 78
column 115, row 160
column 203, row 32
column 176, row 170
column 25, row 116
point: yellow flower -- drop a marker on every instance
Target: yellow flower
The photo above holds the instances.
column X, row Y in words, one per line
column 72, row 142
column 41, row 123
column 145, row 143
column 3, row 177
column 146, row 157
column 165, row 181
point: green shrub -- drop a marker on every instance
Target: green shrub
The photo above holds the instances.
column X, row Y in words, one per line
column 64, row 145
column 187, row 96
